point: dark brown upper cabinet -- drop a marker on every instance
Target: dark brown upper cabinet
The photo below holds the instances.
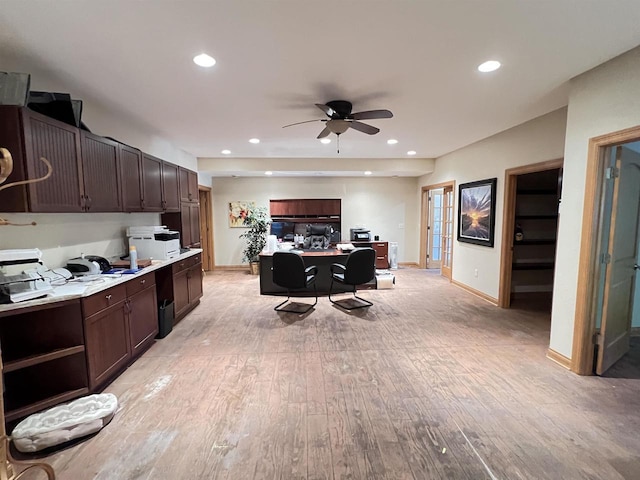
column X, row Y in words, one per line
column 170, row 188
column 101, row 174
column 131, row 166
column 188, row 185
column 29, row 136
column 151, row 184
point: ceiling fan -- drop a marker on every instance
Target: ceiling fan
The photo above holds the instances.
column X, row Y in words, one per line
column 340, row 118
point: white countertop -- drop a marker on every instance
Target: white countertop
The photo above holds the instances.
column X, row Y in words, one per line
column 75, row 289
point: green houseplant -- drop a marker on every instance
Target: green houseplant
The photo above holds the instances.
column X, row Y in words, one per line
column 256, row 236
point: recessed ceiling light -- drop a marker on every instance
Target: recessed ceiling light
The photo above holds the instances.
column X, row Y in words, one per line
column 254, row 140
column 411, row 152
column 392, row 141
column 368, row 172
column 204, row 60
column 489, row 66
column 225, row 152
column 325, row 140
column 268, row 173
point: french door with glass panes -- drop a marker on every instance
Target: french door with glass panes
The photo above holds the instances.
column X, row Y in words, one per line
column 434, row 239
column 446, row 236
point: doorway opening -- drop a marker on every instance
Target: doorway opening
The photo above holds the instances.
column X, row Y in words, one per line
column 206, row 228
column 436, row 231
column 530, row 225
column 608, row 300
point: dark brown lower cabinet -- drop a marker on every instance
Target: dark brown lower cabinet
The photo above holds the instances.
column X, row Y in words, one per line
column 187, row 285
column 124, row 326
column 107, row 343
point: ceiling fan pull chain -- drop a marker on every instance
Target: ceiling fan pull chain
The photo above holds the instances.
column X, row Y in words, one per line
column 338, row 135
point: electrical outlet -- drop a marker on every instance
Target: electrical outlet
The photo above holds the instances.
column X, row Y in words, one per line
column 475, row 272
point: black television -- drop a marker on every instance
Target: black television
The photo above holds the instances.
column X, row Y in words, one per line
column 283, row 230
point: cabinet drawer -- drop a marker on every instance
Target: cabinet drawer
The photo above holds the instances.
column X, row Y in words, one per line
column 186, row 263
column 104, row 299
column 140, row 283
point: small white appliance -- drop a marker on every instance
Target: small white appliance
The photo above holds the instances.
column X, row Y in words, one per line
column 155, row 242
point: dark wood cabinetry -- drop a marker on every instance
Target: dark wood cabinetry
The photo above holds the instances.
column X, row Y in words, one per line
column 170, row 188
column 315, row 207
column 182, row 284
column 188, row 185
column 120, row 323
column 151, row 183
column 43, row 353
column 90, row 173
column 101, row 174
column 131, row 165
column 382, row 252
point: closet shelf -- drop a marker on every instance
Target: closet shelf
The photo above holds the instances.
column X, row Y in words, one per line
column 41, row 358
column 533, row 266
column 551, row 241
column 537, row 217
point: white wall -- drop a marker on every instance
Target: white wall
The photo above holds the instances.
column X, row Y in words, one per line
column 61, row 236
column 387, row 206
column 603, row 100
column 538, row 140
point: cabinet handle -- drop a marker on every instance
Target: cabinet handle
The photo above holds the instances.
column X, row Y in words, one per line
column 108, row 297
column 89, row 201
column 142, row 282
column 142, row 203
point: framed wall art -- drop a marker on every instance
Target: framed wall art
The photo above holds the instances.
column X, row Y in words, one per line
column 477, row 212
column 238, row 211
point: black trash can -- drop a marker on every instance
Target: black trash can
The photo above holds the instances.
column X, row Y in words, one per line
column 165, row 318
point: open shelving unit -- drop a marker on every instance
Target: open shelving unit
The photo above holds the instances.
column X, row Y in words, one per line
column 43, row 352
column 536, row 215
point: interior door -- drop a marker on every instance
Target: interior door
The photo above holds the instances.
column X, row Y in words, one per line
column 434, row 238
column 447, row 231
column 621, row 251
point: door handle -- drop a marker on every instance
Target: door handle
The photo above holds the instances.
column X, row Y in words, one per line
column 636, row 266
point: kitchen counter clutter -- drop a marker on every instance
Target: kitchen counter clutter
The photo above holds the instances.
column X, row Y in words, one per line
column 85, row 287
column 73, row 343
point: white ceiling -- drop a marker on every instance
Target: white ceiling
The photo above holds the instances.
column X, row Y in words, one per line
column 277, row 58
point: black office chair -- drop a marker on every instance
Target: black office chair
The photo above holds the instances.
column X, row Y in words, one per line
column 360, row 268
column 289, row 272
column 317, row 237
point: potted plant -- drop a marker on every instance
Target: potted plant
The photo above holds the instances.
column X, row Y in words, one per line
column 256, row 236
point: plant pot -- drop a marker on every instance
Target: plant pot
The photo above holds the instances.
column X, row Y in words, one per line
column 254, row 268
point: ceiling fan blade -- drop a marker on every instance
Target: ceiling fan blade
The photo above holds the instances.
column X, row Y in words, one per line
column 330, row 112
column 325, row 132
column 300, row 123
column 364, row 128
column 372, row 114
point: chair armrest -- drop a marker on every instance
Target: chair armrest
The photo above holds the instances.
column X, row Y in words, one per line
column 339, row 267
column 311, row 270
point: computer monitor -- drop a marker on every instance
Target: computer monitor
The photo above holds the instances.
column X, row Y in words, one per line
column 282, row 229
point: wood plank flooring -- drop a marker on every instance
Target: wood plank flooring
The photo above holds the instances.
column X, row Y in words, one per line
column 431, row 382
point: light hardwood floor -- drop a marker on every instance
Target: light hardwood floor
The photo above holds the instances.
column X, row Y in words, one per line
column 431, row 382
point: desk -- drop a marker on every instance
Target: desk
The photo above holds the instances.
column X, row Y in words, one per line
column 322, row 259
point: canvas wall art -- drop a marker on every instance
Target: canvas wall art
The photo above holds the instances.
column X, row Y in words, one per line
column 238, row 212
column 476, row 212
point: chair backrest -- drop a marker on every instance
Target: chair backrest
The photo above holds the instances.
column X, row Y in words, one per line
column 360, row 266
column 317, row 237
column 288, row 270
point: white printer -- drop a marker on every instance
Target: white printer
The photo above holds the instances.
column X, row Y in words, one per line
column 156, row 242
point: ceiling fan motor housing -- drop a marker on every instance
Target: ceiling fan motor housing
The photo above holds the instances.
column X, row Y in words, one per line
column 341, row 108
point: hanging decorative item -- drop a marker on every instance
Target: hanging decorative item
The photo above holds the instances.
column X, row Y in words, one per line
column 6, row 167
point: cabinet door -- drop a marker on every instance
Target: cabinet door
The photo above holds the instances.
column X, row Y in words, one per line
column 170, row 187
column 193, row 186
column 188, row 185
column 195, row 282
column 194, row 225
column 180, row 292
column 106, row 343
column 143, row 319
column 185, row 225
column 131, row 165
column 101, row 174
column 151, row 183
column 60, row 144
